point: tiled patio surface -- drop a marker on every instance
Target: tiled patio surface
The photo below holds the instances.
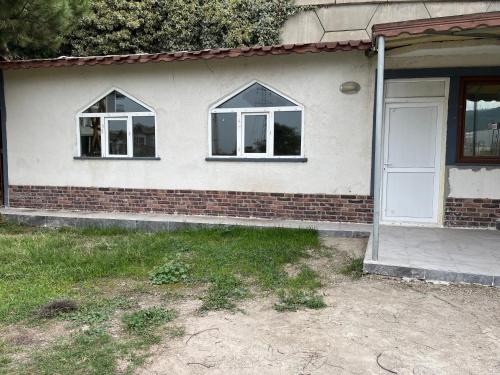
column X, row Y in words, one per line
column 441, row 254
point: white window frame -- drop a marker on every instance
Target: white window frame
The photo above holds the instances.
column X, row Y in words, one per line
column 104, row 116
column 240, row 112
column 243, row 126
column 129, row 136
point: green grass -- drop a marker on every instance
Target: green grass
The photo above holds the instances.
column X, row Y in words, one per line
column 143, row 321
column 39, row 266
column 91, row 353
column 224, row 290
column 354, row 268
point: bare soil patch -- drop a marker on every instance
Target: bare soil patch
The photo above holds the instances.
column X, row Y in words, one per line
column 371, row 326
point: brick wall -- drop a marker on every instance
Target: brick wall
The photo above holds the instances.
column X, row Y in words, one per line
column 324, row 207
column 471, row 212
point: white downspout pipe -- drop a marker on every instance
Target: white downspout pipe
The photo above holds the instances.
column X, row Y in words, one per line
column 377, row 175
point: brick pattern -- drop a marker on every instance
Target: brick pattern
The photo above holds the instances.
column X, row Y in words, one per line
column 471, row 212
column 320, row 207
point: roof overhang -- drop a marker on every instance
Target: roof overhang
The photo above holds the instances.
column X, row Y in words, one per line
column 441, row 29
column 208, row 54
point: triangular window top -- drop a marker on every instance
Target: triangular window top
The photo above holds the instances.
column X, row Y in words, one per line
column 257, row 95
column 116, row 102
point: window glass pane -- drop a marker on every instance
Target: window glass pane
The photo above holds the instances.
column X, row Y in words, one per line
column 255, row 133
column 482, row 120
column 287, row 133
column 224, row 134
column 125, row 104
column 115, row 102
column 256, row 96
column 117, row 137
column 143, row 131
column 90, row 136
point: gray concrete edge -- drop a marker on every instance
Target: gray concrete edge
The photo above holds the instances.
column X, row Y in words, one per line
column 379, row 268
column 154, row 222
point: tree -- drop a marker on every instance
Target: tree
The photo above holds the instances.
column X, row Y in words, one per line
column 36, row 28
column 148, row 26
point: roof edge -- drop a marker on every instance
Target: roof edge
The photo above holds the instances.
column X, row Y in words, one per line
column 413, row 27
column 207, row 54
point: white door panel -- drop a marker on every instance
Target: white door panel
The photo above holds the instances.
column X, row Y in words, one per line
column 412, row 137
column 412, row 134
column 416, row 202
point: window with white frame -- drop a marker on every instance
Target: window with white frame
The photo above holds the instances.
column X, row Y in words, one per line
column 256, row 122
column 117, row 126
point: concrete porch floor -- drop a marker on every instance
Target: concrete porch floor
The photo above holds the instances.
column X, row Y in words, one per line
column 438, row 254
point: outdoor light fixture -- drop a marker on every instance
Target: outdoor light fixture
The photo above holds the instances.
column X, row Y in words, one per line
column 350, row 87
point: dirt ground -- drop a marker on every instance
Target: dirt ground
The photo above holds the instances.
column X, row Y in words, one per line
column 371, row 326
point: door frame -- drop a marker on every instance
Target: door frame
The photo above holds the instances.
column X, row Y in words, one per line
column 442, row 130
column 418, row 102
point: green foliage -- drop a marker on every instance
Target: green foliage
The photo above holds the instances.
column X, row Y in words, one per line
column 222, row 293
column 143, row 321
column 174, row 271
column 88, row 353
column 138, row 26
column 98, row 311
column 295, row 299
column 354, row 268
column 38, row 265
column 36, row 28
column 305, row 279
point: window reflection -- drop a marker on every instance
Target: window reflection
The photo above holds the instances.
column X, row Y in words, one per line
column 117, row 137
column 256, row 96
column 90, row 136
column 482, row 119
column 143, row 130
column 255, row 134
column 287, row 133
column 224, row 134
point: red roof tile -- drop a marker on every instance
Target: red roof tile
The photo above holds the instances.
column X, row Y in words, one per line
column 282, row 49
column 440, row 24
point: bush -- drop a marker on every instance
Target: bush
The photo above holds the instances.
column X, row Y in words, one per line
column 174, row 271
column 143, row 320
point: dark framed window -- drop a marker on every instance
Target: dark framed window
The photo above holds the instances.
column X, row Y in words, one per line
column 479, row 120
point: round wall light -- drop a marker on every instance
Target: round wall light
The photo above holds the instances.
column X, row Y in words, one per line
column 350, row 87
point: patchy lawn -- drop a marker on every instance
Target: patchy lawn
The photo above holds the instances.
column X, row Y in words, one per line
column 228, row 301
column 93, row 301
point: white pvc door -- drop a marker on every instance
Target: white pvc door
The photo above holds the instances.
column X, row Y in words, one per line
column 412, row 133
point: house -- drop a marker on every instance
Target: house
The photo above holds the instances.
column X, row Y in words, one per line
column 408, row 114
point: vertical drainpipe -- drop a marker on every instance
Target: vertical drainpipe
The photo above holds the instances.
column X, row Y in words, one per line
column 3, row 129
column 377, row 186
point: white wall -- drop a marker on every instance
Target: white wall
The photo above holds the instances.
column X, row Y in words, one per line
column 41, row 131
column 474, row 182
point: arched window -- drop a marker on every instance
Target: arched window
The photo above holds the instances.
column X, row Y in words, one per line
column 117, row 126
column 256, row 122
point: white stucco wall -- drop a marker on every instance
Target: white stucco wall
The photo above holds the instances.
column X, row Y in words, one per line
column 474, row 182
column 41, row 130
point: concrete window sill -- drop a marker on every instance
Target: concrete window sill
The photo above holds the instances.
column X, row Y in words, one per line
column 259, row 160
column 107, row 158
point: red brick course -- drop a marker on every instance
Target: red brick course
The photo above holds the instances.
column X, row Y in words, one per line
column 320, row 207
column 471, row 212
